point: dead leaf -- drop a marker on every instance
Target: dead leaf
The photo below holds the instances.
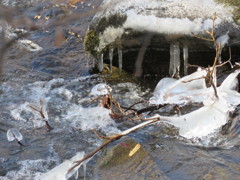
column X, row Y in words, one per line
column 72, row 2
column 134, row 150
column 115, row 116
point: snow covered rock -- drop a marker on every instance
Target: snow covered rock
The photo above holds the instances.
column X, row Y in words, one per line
column 100, row 89
column 167, row 24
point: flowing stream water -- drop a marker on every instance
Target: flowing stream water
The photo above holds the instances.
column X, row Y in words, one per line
column 60, row 76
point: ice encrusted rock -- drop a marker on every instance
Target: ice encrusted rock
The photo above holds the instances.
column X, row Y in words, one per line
column 169, row 25
column 122, row 19
column 100, row 89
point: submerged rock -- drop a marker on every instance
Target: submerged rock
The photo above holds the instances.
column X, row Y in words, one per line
column 118, row 161
column 159, row 31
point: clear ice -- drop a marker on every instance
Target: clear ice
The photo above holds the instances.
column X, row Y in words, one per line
column 100, row 63
column 120, row 59
column 43, row 105
column 60, row 172
column 111, row 58
column 14, row 134
column 185, row 59
column 174, row 66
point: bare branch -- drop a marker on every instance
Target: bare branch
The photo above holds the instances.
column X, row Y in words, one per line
column 151, row 121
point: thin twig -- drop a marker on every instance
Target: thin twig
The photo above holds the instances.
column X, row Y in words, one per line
column 153, row 120
column 129, row 108
column 228, row 61
column 215, row 89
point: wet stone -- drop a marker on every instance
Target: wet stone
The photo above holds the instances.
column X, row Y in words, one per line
column 117, row 161
column 129, row 33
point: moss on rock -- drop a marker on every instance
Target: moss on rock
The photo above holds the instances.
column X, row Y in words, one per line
column 230, row 2
column 91, row 41
column 116, row 76
column 113, row 20
column 236, row 5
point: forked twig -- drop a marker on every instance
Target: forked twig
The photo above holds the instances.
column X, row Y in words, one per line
column 40, row 111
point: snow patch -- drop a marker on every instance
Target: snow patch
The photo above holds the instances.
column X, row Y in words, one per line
column 109, row 36
column 152, row 23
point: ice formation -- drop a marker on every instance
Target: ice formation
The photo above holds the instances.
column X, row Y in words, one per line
column 111, row 58
column 174, row 66
column 172, row 91
column 222, row 41
column 120, row 60
column 171, row 8
column 60, row 172
column 191, row 88
column 203, row 121
column 211, row 116
column 14, row 134
column 170, row 20
column 185, row 59
column 109, row 36
column 100, row 89
column 100, row 62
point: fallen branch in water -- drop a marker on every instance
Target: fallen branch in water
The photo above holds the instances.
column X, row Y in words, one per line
column 112, row 138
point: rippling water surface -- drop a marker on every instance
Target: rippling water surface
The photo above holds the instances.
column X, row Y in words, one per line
column 60, row 75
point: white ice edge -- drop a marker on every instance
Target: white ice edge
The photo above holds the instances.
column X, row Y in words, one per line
column 60, row 172
column 211, row 116
column 172, row 91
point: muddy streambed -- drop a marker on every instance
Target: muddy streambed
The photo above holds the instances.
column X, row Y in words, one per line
column 60, row 75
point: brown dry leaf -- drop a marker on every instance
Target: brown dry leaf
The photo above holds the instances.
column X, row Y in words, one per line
column 115, row 116
column 106, row 102
column 134, row 150
column 59, row 37
column 72, row 2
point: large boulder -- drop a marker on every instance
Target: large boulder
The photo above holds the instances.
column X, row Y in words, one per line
column 156, row 34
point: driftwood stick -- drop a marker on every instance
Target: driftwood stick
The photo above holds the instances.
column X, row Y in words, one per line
column 151, row 121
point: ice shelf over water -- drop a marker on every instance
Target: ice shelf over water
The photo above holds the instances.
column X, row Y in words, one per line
column 206, row 120
column 182, row 17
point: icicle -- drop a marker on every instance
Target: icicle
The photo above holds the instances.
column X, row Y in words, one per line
column 111, row 58
column 185, row 59
column 174, row 66
column 120, row 59
column 221, row 42
column 220, row 55
column 100, row 62
column 84, row 170
column 89, row 60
